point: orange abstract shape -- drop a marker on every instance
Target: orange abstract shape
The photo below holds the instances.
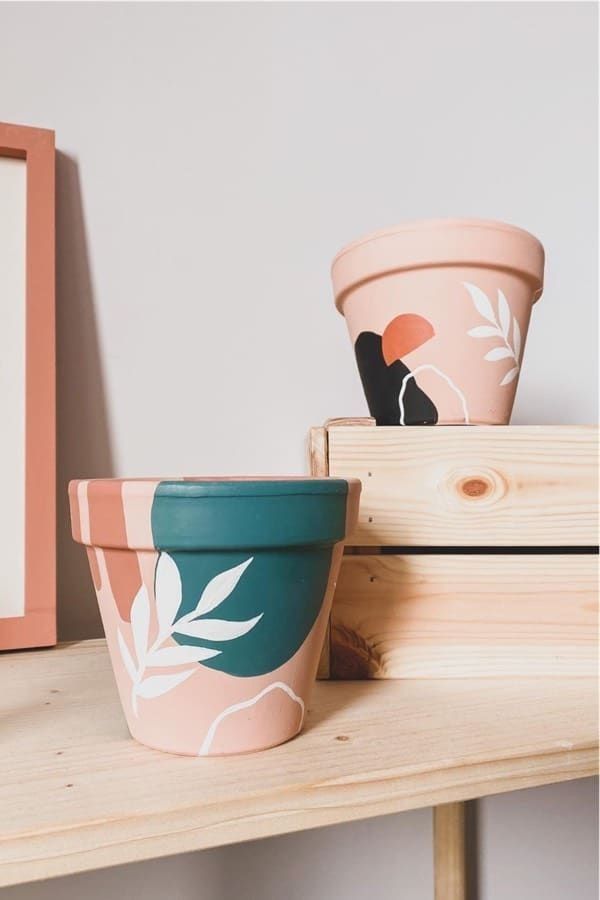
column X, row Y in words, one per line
column 404, row 334
column 107, row 516
column 125, row 578
column 108, row 530
column 94, row 567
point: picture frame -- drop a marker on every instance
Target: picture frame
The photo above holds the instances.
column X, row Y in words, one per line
column 27, row 387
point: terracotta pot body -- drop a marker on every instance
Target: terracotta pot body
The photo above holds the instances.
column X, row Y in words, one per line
column 438, row 314
column 214, row 596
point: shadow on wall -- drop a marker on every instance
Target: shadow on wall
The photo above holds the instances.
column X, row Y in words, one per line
column 83, row 442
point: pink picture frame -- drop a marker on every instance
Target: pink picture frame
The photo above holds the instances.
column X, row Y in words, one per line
column 27, row 387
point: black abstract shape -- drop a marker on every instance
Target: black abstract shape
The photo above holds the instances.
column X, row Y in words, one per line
column 382, row 385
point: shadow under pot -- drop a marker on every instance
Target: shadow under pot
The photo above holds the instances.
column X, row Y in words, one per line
column 215, row 596
column 438, row 314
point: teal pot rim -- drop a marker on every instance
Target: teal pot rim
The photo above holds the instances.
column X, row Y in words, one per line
column 252, row 487
column 198, row 514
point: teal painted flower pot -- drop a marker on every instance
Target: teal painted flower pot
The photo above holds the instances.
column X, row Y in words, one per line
column 215, row 596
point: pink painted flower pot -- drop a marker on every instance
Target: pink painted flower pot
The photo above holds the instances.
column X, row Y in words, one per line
column 438, row 314
column 215, row 596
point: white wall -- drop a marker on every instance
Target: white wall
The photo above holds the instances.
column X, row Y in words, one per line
column 213, row 159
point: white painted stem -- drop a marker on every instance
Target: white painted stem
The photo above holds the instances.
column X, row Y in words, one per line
column 141, row 671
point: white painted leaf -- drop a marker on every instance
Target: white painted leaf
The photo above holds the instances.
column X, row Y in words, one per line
column 516, row 339
column 217, row 629
column 126, row 656
column 484, row 331
column 510, row 376
column 167, row 587
column 482, row 304
column 140, row 623
column 178, row 656
column 218, row 589
column 498, row 353
column 156, row 685
column 503, row 313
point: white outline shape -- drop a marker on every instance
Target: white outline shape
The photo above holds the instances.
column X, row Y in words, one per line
column 245, row 704
column 446, row 378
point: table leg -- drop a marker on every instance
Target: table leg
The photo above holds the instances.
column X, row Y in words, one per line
column 449, row 852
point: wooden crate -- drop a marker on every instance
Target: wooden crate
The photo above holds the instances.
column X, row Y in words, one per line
column 474, row 554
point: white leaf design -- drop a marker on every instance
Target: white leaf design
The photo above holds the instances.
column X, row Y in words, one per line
column 178, row 656
column 126, row 656
column 168, row 594
column 503, row 313
column 510, row 376
column 167, row 581
column 160, row 684
column 516, row 339
column 484, row 331
column 482, row 304
column 218, row 589
column 498, row 353
column 217, row 629
column 140, row 623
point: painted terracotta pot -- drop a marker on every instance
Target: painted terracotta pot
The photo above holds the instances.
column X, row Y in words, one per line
column 215, row 596
column 438, row 314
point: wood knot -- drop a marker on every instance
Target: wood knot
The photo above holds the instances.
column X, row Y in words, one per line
column 472, row 484
column 352, row 658
column 475, row 487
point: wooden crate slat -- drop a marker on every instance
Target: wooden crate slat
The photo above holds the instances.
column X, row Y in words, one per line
column 447, row 616
column 318, row 456
column 483, row 486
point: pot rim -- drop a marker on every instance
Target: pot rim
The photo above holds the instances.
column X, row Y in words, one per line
column 212, row 513
column 225, row 486
column 485, row 242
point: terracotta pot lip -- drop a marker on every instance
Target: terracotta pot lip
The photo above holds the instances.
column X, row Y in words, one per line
column 227, row 486
column 427, row 224
column 528, row 258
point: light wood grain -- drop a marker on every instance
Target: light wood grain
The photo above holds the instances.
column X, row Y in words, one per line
column 450, row 871
column 465, row 616
column 319, row 468
column 318, row 452
column 455, row 486
column 349, row 421
column 77, row 794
